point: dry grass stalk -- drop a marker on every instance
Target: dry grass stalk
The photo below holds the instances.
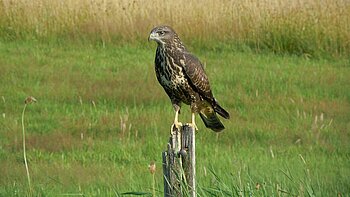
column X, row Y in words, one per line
column 276, row 23
column 152, row 170
column 27, row 101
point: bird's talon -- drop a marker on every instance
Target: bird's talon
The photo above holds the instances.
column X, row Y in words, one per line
column 177, row 125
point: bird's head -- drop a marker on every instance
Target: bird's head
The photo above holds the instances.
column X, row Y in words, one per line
column 162, row 34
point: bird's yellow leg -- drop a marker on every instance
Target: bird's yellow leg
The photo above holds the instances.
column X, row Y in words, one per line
column 177, row 124
column 193, row 122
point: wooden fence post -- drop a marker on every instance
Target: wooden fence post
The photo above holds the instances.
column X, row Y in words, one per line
column 179, row 163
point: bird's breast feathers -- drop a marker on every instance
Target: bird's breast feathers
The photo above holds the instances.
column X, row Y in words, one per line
column 169, row 72
column 173, row 78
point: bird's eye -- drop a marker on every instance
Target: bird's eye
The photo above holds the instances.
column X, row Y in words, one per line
column 161, row 33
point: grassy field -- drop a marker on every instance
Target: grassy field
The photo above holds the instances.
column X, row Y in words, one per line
column 281, row 68
column 101, row 118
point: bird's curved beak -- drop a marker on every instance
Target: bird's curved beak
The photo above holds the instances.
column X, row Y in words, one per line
column 152, row 36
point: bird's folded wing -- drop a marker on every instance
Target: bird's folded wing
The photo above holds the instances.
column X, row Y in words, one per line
column 194, row 70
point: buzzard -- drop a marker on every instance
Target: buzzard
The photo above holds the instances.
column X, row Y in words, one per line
column 183, row 78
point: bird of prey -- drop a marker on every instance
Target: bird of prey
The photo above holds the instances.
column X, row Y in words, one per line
column 182, row 76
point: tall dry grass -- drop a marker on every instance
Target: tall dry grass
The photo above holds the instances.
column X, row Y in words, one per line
column 301, row 26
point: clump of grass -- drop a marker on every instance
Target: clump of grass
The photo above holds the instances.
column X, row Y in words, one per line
column 302, row 27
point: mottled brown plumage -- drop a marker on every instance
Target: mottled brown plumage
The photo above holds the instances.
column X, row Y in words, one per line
column 183, row 78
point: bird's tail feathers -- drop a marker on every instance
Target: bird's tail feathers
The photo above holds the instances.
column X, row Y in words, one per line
column 212, row 121
column 218, row 109
column 210, row 118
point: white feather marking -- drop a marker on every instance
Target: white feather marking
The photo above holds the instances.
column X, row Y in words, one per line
column 182, row 62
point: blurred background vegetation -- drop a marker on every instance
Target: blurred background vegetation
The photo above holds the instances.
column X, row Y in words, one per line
column 302, row 27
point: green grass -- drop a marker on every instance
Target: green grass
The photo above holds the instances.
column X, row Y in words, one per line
column 101, row 118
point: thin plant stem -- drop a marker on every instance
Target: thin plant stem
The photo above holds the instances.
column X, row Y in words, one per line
column 152, row 170
column 154, row 185
column 24, row 147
